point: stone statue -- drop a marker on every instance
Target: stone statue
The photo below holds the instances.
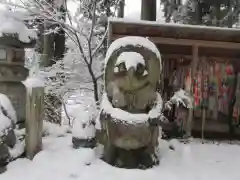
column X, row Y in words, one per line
column 131, row 103
column 131, row 108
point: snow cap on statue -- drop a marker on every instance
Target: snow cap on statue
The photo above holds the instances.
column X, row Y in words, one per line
column 133, row 50
column 135, row 41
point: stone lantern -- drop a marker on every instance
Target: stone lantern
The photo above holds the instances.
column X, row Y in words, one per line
column 13, row 72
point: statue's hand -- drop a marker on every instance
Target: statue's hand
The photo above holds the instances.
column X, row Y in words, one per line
column 158, row 121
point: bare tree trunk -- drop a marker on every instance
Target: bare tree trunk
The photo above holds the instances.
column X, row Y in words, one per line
column 59, row 45
column 59, row 38
column 121, row 9
column 59, row 50
column 108, row 13
column 95, row 84
column 40, row 40
column 230, row 17
column 237, row 14
column 198, row 13
column 148, row 10
column 53, row 49
column 218, row 14
column 48, row 47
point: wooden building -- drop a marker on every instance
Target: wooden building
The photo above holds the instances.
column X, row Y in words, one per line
column 202, row 60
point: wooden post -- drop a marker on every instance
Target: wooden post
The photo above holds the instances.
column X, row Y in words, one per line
column 205, row 93
column 193, row 70
column 203, row 121
column 34, row 120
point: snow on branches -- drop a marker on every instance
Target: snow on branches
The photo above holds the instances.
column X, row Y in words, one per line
column 180, row 97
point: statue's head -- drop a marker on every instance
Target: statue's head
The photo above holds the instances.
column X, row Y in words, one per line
column 133, row 62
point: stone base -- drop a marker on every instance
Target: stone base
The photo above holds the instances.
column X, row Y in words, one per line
column 4, row 155
column 131, row 159
column 4, row 158
column 3, row 169
column 10, row 139
column 83, row 143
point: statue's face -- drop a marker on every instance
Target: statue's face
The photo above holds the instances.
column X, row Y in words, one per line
column 131, row 71
column 131, row 77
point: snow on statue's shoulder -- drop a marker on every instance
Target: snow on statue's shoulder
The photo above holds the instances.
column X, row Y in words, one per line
column 12, row 23
column 132, row 40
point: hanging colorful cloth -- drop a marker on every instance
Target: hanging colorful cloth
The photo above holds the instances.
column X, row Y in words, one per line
column 197, row 90
column 230, row 81
column 212, row 90
column 235, row 115
column 230, row 77
column 205, row 80
column 218, row 79
column 188, row 81
column 223, row 90
column 237, row 103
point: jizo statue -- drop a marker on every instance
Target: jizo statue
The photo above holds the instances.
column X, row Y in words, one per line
column 131, row 107
column 130, row 102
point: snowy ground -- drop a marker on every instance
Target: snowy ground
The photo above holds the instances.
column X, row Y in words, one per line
column 194, row 161
column 59, row 161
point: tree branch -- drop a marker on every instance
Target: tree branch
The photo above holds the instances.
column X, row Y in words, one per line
column 101, row 43
column 89, row 40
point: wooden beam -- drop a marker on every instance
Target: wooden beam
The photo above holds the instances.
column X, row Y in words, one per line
column 213, row 58
column 188, row 42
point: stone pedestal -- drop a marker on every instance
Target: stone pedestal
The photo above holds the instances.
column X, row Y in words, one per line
column 11, row 85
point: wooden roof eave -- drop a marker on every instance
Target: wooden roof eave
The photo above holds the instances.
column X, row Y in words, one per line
column 188, row 42
column 177, row 34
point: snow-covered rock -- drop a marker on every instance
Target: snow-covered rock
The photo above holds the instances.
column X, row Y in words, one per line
column 83, row 130
column 7, row 124
column 8, row 107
